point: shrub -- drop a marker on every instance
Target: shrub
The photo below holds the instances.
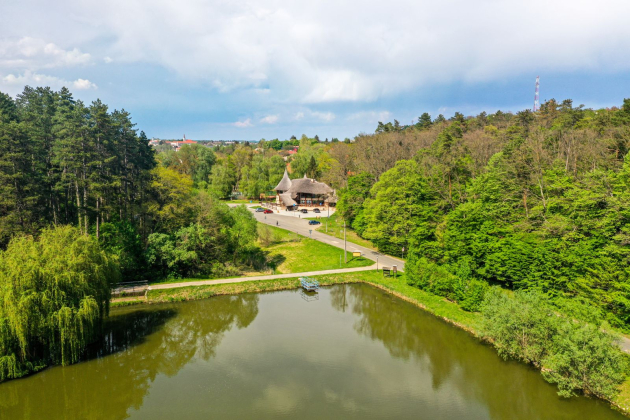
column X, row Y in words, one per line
column 577, row 356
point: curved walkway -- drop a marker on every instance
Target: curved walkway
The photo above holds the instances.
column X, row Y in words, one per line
column 254, row 278
column 301, row 227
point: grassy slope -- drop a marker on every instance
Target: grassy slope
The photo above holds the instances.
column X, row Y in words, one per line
column 298, row 254
column 335, row 228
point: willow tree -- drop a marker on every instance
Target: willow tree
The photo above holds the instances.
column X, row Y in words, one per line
column 54, row 293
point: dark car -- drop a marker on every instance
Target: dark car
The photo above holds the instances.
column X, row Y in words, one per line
column 314, row 222
column 316, row 211
column 259, row 209
column 267, row 211
column 304, row 211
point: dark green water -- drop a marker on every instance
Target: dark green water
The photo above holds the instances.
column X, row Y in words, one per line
column 356, row 353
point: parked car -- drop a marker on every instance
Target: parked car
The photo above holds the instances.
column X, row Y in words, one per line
column 259, row 210
column 304, row 211
column 316, row 211
column 267, row 211
column 314, row 222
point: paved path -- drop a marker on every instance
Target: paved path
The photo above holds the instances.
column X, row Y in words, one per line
column 302, row 227
column 252, row 278
column 625, row 344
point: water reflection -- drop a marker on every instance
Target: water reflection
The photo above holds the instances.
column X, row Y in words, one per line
column 137, row 347
column 357, row 353
column 509, row 390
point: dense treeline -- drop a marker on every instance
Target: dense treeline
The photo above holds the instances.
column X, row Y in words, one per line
column 529, row 201
column 65, row 163
column 62, row 162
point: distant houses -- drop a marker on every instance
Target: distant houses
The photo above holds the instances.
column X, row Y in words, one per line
column 177, row 144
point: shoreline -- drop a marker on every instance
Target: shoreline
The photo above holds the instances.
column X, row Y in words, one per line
column 437, row 306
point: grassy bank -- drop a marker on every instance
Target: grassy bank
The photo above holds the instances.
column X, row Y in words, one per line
column 436, row 305
column 335, row 228
column 290, row 253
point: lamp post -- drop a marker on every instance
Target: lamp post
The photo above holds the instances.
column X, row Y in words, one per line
column 345, row 252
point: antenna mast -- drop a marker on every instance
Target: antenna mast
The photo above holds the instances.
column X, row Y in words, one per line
column 536, row 97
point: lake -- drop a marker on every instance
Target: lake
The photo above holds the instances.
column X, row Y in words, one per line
column 355, row 352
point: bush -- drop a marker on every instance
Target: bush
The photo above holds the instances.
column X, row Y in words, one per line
column 577, row 356
column 460, row 287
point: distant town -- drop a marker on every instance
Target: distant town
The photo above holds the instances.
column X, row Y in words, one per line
column 177, row 144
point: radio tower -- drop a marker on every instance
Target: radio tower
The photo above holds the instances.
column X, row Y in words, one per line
column 536, row 98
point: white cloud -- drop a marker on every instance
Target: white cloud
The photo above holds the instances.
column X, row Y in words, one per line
column 333, row 51
column 14, row 84
column 324, row 116
column 269, row 119
column 298, row 116
column 83, row 84
column 107, row 60
column 31, row 54
column 243, row 124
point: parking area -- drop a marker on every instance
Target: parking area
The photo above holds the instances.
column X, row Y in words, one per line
column 299, row 214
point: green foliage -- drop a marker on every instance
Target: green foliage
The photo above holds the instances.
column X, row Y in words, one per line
column 262, row 176
column 399, row 206
column 171, row 205
column 122, row 240
column 64, row 162
column 194, row 160
column 529, row 201
column 350, row 204
column 223, row 179
column 574, row 355
column 54, row 293
column 456, row 284
column 221, row 240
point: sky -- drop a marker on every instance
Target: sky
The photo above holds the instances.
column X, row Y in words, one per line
column 231, row 69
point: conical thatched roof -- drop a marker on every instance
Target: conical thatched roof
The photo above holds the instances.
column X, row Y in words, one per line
column 285, row 182
column 308, row 186
column 287, row 200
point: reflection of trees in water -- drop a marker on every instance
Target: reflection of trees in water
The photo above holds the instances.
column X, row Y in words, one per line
column 137, row 346
column 508, row 390
column 339, row 297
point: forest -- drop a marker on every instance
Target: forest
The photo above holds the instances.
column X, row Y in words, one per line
column 528, row 201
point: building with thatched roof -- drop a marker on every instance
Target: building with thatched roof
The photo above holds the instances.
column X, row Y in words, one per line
column 303, row 192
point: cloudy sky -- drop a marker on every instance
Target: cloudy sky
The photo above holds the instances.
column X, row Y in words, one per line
column 228, row 69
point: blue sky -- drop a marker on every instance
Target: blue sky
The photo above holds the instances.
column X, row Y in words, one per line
column 275, row 68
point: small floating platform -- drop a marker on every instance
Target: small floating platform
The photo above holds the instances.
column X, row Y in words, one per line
column 308, row 284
